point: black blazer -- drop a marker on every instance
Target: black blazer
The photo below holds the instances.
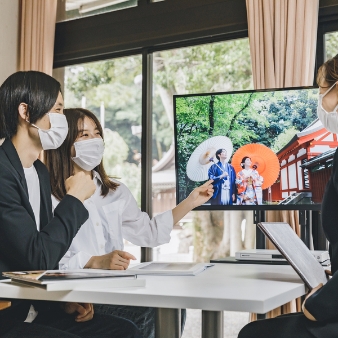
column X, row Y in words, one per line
column 323, row 304
column 22, row 246
column 330, row 213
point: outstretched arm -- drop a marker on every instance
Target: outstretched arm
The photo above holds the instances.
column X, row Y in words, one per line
column 197, row 197
column 139, row 229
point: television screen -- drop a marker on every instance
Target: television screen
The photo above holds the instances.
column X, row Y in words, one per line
column 264, row 149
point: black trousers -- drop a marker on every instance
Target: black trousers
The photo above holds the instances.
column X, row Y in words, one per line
column 142, row 317
column 61, row 325
column 294, row 325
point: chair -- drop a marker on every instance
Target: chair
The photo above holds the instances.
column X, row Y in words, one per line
column 4, row 304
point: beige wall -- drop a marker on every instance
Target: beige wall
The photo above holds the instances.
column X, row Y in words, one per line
column 9, row 37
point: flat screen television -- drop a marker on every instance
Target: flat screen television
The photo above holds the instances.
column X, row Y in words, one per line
column 264, row 149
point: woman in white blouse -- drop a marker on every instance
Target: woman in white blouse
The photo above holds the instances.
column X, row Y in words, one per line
column 113, row 211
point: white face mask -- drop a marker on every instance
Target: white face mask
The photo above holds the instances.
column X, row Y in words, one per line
column 53, row 138
column 328, row 119
column 88, row 153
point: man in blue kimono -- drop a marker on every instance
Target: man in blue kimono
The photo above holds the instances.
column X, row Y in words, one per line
column 224, row 177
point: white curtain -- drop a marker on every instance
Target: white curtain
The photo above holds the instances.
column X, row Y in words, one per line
column 38, row 19
column 282, row 35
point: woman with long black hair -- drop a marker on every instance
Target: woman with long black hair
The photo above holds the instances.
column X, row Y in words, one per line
column 113, row 212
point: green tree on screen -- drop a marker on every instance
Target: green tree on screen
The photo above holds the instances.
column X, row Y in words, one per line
column 270, row 118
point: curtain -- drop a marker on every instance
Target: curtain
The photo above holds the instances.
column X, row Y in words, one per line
column 38, row 19
column 282, row 36
column 287, row 216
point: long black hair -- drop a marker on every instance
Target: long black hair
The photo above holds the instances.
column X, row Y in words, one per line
column 38, row 90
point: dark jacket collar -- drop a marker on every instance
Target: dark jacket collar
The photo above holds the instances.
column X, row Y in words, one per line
column 13, row 157
column 45, row 193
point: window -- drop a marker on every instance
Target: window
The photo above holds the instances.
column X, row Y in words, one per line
column 201, row 235
column 180, row 71
column 222, row 66
column 111, row 89
column 81, row 8
column 331, row 43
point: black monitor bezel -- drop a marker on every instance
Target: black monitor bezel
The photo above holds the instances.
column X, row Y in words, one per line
column 313, row 207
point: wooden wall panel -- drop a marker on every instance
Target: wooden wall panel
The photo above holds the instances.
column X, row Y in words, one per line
column 158, row 25
column 148, row 25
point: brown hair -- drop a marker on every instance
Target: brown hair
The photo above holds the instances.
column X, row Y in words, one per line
column 59, row 162
column 328, row 72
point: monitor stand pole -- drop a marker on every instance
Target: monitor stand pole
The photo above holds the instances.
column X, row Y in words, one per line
column 305, row 221
column 259, row 216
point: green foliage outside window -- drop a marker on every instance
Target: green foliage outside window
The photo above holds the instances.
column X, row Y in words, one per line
column 206, row 68
column 331, row 44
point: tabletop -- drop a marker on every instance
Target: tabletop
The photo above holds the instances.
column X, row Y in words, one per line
column 228, row 287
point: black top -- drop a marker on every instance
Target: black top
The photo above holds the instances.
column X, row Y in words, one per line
column 323, row 304
column 22, row 246
column 330, row 213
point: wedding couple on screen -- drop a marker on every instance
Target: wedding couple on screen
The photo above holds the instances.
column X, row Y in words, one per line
column 243, row 188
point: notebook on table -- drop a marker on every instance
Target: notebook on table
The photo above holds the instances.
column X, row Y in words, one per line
column 58, row 280
column 295, row 252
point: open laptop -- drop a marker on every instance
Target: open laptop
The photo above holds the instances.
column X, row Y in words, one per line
column 295, row 251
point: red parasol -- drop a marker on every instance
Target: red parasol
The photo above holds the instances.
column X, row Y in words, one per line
column 263, row 157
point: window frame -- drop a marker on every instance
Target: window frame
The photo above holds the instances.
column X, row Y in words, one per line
column 223, row 21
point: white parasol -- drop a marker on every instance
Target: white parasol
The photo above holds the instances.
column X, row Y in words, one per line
column 204, row 156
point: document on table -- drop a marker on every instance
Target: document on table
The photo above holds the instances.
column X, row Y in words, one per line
column 169, row 268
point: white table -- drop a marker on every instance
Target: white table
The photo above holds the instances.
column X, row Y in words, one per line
column 224, row 287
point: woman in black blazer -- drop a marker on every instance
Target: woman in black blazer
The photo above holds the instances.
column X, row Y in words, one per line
column 319, row 318
column 31, row 119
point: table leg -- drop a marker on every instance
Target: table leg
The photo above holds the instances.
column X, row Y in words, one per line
column 212, row 324
column 168, row 323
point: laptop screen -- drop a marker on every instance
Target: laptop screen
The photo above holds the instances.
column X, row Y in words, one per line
column 296, row 252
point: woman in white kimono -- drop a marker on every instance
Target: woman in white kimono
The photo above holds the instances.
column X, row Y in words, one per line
column 246, row 183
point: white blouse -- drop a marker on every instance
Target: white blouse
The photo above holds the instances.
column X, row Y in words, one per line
column 112, row 218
